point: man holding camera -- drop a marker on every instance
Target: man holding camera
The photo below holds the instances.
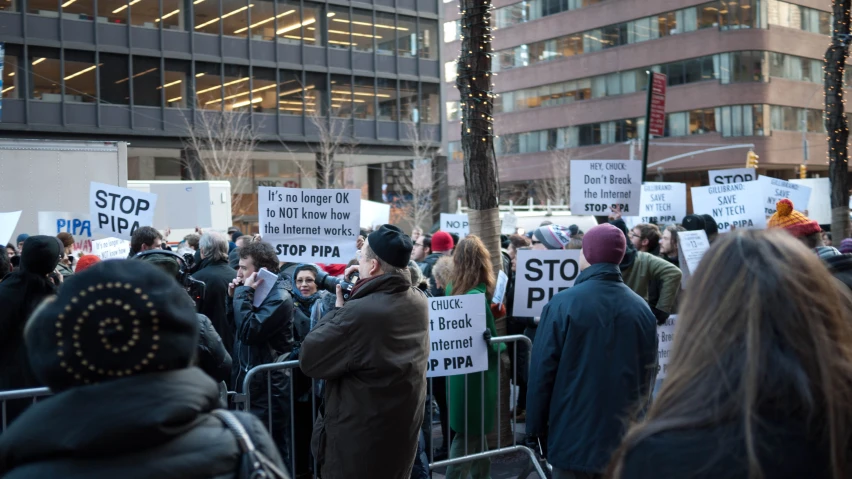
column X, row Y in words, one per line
column 263, row 335
column 372, row 350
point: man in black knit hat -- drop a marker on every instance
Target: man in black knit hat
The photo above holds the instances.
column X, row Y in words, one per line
column 372, row 350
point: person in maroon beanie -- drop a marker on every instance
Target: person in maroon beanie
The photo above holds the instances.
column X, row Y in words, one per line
column 593, row 361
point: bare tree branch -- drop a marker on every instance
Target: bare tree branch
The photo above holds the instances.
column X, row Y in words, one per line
column 555, row 187
column 336, row 144
column 419, row 187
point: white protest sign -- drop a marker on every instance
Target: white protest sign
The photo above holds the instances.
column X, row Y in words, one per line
column 736, row 204
column 819, row 204
column 599, row 185
column 309, row 225
column 500, row 288
column 775, row 189
column 457, row 224
column 111, row 248
column 118, row 212
column 691, row 248
column 662, row 203
column 8, row 222
column 734, row 175
column 540, row 275
column 182, row 205
column 79, row 225
column 374, row 214
column 509, row 224
column 665, row 341
column 456, row 326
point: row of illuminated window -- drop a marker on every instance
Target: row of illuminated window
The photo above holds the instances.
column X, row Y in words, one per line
column 521, row 12
column 287, row 21
column 729, row 121
column 212, row 86
column 723, row 14
column 733, row 67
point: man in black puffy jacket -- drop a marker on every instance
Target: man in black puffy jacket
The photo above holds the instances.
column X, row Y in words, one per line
column 264, row 334
column 216, row 274
column 115, row 347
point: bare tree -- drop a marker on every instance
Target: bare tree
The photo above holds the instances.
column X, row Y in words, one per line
column 420, row 186
column 335, row 144
column 555, row 187
column 219, row 147
column 835, row 119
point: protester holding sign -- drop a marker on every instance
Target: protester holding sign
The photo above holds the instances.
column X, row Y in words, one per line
column 592, row 361
column 757, row 388
column 473, row 274
column 373, row 351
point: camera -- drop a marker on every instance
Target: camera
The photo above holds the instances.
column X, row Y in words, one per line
column 196, row 290
column 329, row 283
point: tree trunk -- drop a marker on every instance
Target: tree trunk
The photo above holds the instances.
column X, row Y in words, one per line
column 480, row 164
column 835, row 121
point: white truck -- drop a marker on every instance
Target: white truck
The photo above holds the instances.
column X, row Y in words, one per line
column 164, row 215
column 49, row 182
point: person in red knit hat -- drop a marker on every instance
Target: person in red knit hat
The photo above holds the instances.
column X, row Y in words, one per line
column 85, row 262
column 796, row 223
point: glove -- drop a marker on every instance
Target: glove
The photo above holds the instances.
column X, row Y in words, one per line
column 487, row 336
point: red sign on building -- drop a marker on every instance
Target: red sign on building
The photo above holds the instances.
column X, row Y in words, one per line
column 657, row 108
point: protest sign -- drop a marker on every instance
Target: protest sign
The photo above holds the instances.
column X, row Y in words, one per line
column 662, row 203
column 691, row 246
column 819, row 204
column 509, row 224
column 183, row 205
column 500, row 289
column 78, row 225
column 775, row 189
column 111, row 248
column 309, row 225
column 457, row 224
column 8, row 222
column 737, row 204
column 118, row 212
column 734, row 175
column 374, row 214
column 598, row 186
column 665, row 341
column 542, row 274
column 456, row 325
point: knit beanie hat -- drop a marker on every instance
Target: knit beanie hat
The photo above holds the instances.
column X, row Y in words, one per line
column 710, row 225
column 846, row 246
column 825, row 252
column 391, row 245
column 791, row 220
column 442, row 241
column 85, row 262
column 116, row 319
column 693, row 222
column 40, row 254
column 604, row 244
column 553, row 236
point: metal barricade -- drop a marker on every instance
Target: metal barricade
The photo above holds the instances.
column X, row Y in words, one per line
column 243, row 401
column 18, row 395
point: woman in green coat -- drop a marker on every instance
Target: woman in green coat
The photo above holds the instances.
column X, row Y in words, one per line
column 472, row 274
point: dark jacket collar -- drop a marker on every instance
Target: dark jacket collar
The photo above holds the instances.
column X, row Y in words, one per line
column 110, row 418
column 386, row 283
column 209, row 262
column 600, row 272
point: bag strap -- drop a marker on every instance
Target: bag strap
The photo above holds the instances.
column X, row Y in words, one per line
column 259, row 462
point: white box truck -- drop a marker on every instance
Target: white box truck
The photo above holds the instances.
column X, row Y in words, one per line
column 49, row 182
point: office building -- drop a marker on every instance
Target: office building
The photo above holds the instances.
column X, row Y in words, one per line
column 146, row 71
column 571, row 78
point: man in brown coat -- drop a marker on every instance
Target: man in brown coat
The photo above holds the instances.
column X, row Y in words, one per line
column 372, row 351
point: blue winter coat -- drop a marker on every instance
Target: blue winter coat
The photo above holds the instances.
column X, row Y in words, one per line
column 593, row 361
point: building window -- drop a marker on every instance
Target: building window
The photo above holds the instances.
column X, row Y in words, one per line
column 408, row 101
column 10, row 75
column 177, row 83
column 341, row 96
column 453, row 110
column 385, row 33
column 428, row 39
column 238, row 93
column 406, row 34
column 430, row 103
column 112, row 11
column 80, row 74
column 235, row 15
column 146, row 81
column 207, row 18
column 174, row 17
column 452, row 31
column 387, row 96
column 339, row 25
column 263, row 87
column 208, row 86
column 263, row 18
column 364, row 99
column 112, row 69
column 310, row 25
column 144, row 13
column 362, row 30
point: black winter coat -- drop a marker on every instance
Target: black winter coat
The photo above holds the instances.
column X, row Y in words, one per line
column 141, row 427
column 212, row 357
column 217, row 276
column 593, row 360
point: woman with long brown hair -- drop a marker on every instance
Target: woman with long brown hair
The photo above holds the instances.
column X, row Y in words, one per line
column 472, row 274
column 759, row 383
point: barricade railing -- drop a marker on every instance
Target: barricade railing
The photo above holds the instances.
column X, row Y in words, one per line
column 243, row 401
column 18, row 395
